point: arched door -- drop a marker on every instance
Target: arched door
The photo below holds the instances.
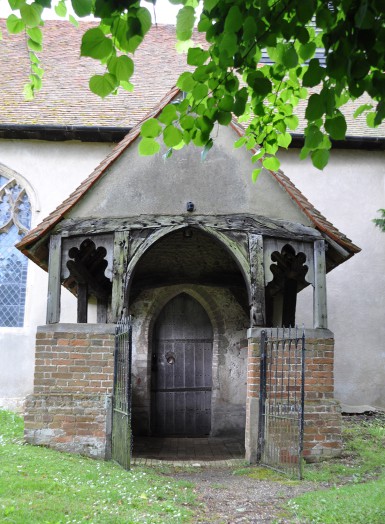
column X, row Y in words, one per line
column 182, row 369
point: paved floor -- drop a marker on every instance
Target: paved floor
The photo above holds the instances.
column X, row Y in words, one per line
column 170, row 449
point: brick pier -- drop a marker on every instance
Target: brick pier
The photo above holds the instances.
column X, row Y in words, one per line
column 322, row 432
column 70, row 409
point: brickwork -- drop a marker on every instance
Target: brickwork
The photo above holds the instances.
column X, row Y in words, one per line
column 70, row 407
column 322, row 433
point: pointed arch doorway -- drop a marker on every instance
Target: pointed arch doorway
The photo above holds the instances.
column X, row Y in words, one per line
column 181, row 374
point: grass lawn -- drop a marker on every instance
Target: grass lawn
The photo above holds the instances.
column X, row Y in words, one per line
column 39, row 485
column 357, row 493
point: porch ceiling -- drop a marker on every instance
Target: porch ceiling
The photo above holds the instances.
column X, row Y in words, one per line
column 181, row 259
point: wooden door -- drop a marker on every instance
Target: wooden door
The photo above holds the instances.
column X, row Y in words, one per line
column 182, row 370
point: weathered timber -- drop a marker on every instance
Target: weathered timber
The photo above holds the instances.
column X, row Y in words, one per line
column 258, row 224
column 257, row 277
column 101, row 311
column 319, row 301
column 82, row 309
column 121, row 255
column 53, row 299
column 234, row 247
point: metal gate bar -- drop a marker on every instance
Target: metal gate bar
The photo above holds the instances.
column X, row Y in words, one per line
column 121, row 400
column 281, row 401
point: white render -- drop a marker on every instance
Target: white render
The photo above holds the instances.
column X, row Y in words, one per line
column 52, row 171
column 348, row 193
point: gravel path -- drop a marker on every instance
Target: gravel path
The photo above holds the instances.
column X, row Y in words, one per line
column 231, row 499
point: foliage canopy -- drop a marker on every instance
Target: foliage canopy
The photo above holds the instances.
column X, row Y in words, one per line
column 324, row 53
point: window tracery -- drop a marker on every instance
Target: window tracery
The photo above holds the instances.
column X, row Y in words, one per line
column 15, row 221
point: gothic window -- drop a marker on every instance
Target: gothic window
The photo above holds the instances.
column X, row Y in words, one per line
column 15, row 221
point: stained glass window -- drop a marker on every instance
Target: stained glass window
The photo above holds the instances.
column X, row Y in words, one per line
column 15, row 221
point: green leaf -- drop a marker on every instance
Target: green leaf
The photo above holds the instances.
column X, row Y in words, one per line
column 290, row 57
column 172, row 136
column 305, row 10
column 313, row 137
column 35, row 34
column 206, row 149
column 82, row 7
column 61, row 9
column 240, row 101
column 320, row 158
column 15, row 25
column 187, row 122
column 185, row 22
column 103, row 85
column 124, row 67
column 197, row 56
column 200, row 91
column 73, row 21
column 210, row 4
column 226, row 103
column 148, row 147
column 370, row 118
column 291, row 122
column 95, row 44
column 224, row 118
column 284, row 140
column 151, row 128
column 31, row 14
column 144, row 17
column 362, row 109
column 314, row 74
column 186, row 82
column 272, row 163
column 16, row 4
column 168, row 114
column 315, row 107
column 34, row 46
column 336, row 127
column 127, row 86
column 234, row 20
column 255, row 174
column 306, row 51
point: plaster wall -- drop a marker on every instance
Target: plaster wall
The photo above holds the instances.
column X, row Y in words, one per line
column 52, row 171
column 349, row 192
column 135, row 185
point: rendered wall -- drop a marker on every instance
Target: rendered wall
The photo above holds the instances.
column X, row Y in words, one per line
column 349, row 192
column 52, row 171
column 221, row 184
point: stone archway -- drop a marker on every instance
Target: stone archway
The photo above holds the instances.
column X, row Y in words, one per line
column 207, row 273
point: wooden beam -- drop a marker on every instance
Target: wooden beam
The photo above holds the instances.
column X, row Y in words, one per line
column 101, row 311
column 54, row 281
column 320, row 317
column 242, row 222
column 120, row 261
column 257, row 305
column 82, row 303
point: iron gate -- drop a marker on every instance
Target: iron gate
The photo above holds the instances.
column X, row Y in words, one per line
column 281, row 401
column 121, row 400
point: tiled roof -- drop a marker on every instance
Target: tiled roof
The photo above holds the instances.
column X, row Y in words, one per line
column 65, row 99
column 318, row 220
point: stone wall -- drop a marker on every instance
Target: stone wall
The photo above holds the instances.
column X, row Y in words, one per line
column 70, row 407
column 322, row 426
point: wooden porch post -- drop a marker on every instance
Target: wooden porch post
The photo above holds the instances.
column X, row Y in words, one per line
column 54, row 280
column 121, row 254
column 320, row 316
column 257, row 278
